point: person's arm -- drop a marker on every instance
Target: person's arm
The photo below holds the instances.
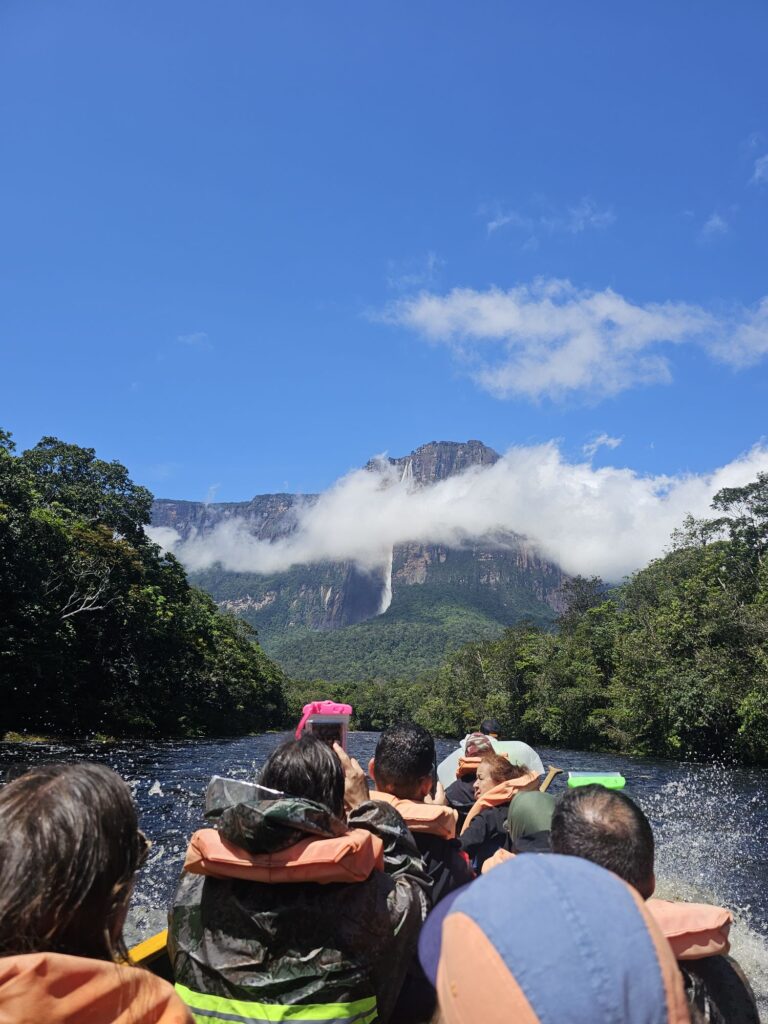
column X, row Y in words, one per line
column 401, row 856
column 477, row 834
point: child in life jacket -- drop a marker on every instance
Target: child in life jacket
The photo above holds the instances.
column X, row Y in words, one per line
column 70, row 848
column 403, row 772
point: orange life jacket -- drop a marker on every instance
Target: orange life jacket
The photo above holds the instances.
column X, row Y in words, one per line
column 53, row 988
column 468, row 765
column 694, row 930
column 348, row 858
column 502, row 793
column 434, row 819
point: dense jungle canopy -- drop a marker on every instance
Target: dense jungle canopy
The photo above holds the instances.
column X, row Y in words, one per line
column 99, row 630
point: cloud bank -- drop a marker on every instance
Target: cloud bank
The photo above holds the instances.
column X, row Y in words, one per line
column 572, row 221
column 551, row 339
column 607, row 521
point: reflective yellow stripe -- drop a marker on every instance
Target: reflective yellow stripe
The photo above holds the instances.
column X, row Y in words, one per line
column 221, row 1010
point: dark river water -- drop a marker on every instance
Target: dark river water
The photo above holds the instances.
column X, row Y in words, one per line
column 710, row 822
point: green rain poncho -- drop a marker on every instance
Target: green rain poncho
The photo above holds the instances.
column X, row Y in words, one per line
column 529, row 813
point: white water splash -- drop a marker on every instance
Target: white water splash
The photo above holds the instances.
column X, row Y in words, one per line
column 709, row 835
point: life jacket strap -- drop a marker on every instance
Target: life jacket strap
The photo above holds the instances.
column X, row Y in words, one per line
column 207, row 1009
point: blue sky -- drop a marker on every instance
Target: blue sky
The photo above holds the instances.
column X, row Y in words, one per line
column 247, row 245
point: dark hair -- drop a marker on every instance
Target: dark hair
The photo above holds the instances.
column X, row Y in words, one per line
column 501, row 768
column 307, row 768
column 490, row 725
column 607, row 828
column 405, row 756
column 69, row 849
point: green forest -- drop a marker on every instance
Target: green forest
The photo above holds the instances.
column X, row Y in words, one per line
column 673, row 663
column 102, row 633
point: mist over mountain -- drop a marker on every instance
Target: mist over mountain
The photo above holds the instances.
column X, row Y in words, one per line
column 420, row 599
column 453, row 540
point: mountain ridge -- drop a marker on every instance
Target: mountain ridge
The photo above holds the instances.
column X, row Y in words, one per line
column 480, row 588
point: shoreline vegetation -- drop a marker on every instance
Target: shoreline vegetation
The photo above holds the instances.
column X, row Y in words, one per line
column 102, row 636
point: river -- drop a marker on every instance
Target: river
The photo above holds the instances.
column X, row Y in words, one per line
column 710, row 822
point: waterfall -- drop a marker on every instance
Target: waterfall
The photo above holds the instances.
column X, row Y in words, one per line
column 407, row 478
column 386, row 594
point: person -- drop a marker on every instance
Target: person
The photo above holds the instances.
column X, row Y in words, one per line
column 461, row 793
column 290, row 910
column 70, row 848
column 497, row 782
column 402, row 769
column 529, row 820
column 490, row 727
column 607, row 828
column 550, row 939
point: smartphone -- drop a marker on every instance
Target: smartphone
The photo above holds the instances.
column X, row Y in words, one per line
column 328, row 732
column 329, row 728
column 328, row 720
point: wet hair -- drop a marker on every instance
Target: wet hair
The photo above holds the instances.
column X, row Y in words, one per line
column 607, row 828
column 405, row 756
column 490, row 726
column 501, row 769
column 69, row 849
column 307, row 768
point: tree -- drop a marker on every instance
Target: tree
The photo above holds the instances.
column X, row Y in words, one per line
column 101, row 631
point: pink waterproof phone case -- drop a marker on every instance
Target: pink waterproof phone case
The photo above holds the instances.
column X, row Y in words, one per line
column 328, row 720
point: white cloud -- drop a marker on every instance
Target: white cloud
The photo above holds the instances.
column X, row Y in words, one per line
column 742, row 339
column 505, row 218
column 405, row 276
column 760, row 173
column 197, row 339
column 714, row 225
column 549, row 338
column 586, row 215
column 573, row 220
column 601, row 441
column 608, row 521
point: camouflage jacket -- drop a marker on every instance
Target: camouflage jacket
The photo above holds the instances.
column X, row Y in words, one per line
column 338, row 951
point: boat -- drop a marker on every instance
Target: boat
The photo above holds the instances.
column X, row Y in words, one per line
column 517, row 752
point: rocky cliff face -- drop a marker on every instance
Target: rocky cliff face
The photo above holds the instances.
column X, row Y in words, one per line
column 504, row 580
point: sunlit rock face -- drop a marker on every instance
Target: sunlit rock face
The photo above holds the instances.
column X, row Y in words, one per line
column 503, row 578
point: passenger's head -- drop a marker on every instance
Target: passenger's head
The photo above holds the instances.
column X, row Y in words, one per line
column 492, row 770
column 477, row 744
column 69, row 849
column 606, row 827
column 550, row 939
column 530, row 813
column 307, row 768
column 490, row 727
column 404, row 761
